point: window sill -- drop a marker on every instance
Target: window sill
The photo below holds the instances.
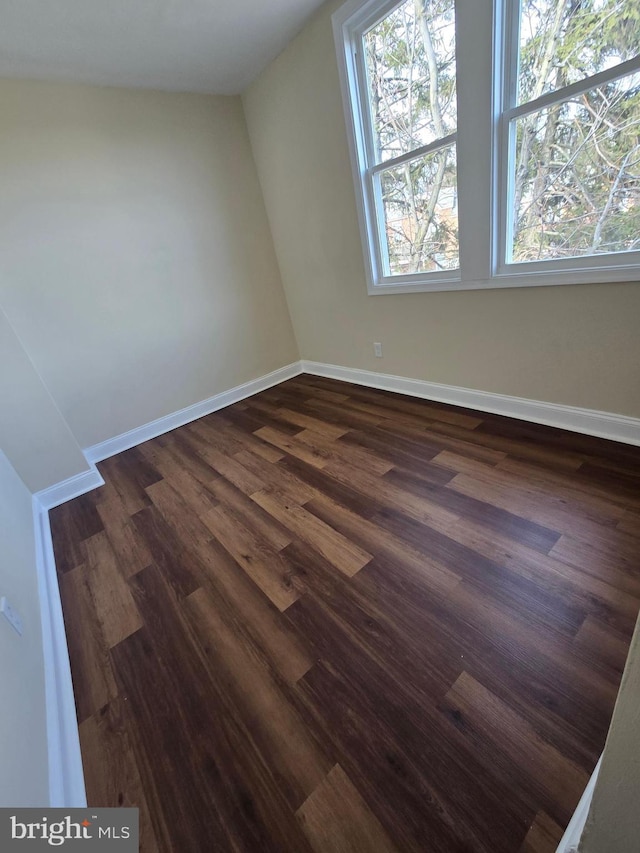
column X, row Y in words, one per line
column 509, row 279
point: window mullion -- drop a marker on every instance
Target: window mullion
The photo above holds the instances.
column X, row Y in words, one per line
column 567, row 92
column 474, row 36
column 432, row 147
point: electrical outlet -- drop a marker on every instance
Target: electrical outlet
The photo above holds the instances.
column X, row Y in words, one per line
column 11, row 615
column 377, row 349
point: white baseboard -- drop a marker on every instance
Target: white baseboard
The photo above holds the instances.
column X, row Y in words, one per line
column 66, row 778
column 570, row 841
column 143, row 433
column 602, row 424
column 65, row 491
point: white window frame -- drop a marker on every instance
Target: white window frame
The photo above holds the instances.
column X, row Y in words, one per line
column 602, row 263
column 486, row 70
column 349, row 23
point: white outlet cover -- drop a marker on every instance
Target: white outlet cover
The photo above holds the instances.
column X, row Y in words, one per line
column 11, row 615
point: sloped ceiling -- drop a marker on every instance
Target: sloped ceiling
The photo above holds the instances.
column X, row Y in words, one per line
column 215, row 46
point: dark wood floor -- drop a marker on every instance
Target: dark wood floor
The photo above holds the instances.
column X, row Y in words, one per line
column 336, row 619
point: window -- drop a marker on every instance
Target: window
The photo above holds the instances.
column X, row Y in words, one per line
column 494, row 144
column 573, row 131
column 404, row 81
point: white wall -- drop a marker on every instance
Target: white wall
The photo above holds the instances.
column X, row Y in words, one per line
column 33, row 433
column 576, row 345
column 136, row 262
column 613, row 825
column 23, row 746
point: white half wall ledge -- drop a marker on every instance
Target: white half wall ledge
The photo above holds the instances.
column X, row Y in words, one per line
column 71, row 488
column 66, row 777
column 138, row 435
column 587, row 421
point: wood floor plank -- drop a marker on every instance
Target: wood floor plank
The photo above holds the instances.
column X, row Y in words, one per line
column 251, row 612
column 250, row 514
column 261, row 562
column 187, row 457
column 310, row 455
column 565, row 581
column 543, row 837
column 419, row 508
column 178, row 564
column 72, row 523
column 114, row 604
column 558, row 441
column 402, row 454
column 111, row 772
column 615, row 554
column 623, row 479
column 179, row 515
column 369, row 629
column 551, row 513
column 359, row 713
column 510, row 474
column 630, row 523
column 495, row 581
column 336, row 453
column 330, row 617
column 574, row 485
column 336, row 819
column 474, row 509
column 93, row 681
column 376, row 540
column 308, row 422
column 321, row 394
column 193, row 491
column 376, row 409
column 460, row 636
column 292, row 753
column 597, row 638
column 222, row 783
column 248, row 441
column 224, row 440
column 485, row 445
column 397, row 405
column 320, row 484
column 560, row 782
column 336, row 548
column 127, row 544
column 279, row 476
column 168, row 765
column 129, row 474
column 211, row 565
column 252, row 418
column 335, row 413
column 226, row 466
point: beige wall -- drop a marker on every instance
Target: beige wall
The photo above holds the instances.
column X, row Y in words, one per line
column 23, row 746
column 136, row 262
column 33, row 433
column 613, row 825
column 571, row 345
